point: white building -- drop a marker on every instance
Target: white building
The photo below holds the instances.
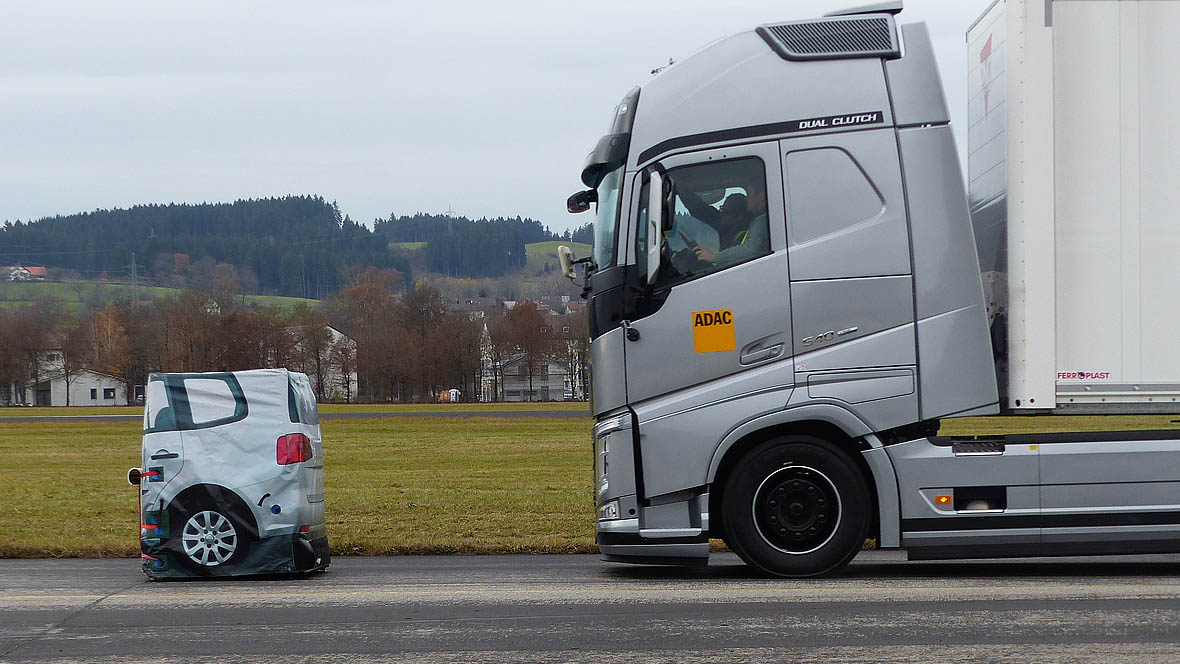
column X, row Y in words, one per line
column 326, row 366
column 549, row 381
column 50, row 363
column 22, row 273
column 86, row 388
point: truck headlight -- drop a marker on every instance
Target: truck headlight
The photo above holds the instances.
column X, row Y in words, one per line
column 609, row 511
column 601, row 462
column 602, row 433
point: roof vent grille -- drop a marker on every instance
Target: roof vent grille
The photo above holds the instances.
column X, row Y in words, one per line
column 834, row 38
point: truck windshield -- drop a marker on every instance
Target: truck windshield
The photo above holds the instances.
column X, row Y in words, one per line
column 607, row 223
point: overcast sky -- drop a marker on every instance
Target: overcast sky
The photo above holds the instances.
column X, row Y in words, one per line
column 486, row 108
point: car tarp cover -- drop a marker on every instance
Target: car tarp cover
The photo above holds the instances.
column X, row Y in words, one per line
column 232, row 475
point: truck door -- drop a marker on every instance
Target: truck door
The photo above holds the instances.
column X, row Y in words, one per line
column 716, row 320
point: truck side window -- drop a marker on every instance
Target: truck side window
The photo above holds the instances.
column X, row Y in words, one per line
column 719, row 220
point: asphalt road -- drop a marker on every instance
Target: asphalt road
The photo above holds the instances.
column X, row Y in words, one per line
column 329, row 416
column 562, row 608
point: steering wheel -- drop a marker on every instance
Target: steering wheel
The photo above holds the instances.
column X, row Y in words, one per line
column 686, row 260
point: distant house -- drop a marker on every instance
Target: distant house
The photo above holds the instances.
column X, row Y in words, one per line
column 474, row 307
column 86, row 388
column 549, row 381
column 558, row 303
column 23, row 273
column 328, row 378
column 49, row 363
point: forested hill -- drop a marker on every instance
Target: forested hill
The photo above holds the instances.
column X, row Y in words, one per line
column 295, row 245
column 462, row 247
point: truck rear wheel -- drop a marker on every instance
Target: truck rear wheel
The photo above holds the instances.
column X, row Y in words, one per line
column 795, row 506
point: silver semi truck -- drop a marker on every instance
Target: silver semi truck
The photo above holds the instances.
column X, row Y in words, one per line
column 785, row 299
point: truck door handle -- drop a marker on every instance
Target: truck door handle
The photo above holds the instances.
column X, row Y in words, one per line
column 759, row 354
column 164, row 454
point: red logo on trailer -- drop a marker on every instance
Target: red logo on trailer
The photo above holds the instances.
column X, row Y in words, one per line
column 986, row 71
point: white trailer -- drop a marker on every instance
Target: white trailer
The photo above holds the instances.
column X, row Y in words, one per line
column 1074, row 184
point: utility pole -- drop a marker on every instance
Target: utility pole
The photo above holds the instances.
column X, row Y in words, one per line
column 134, row 278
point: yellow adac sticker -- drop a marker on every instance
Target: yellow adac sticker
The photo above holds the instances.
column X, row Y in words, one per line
column 712, row 331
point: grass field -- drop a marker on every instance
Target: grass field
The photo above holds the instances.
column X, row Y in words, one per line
column 326, row 408
column 421, row 485
column 14, row 294
column 72, row 411
column 394, row 486
column 540, row 253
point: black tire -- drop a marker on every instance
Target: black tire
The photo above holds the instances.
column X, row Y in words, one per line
column 209, row 537
column 795, row 506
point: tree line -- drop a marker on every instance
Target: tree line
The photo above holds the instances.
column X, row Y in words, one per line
column 409, row 347
column 404, row 344
column 474, row 248
column 299, row 246
column 295, row 245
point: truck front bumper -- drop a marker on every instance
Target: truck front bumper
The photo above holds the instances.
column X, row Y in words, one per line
column 622, row 541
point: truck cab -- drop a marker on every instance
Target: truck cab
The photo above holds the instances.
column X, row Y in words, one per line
column 784, row 274
column 786, row 300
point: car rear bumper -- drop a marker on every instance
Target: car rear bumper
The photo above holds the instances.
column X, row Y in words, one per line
column 281, row 554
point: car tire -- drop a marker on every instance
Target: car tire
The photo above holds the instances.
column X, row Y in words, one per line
column 209, row 538
column 796, row 506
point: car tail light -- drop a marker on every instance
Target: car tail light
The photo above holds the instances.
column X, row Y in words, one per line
column 293, row 448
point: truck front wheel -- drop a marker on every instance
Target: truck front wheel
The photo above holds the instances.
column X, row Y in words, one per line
column 795, row 506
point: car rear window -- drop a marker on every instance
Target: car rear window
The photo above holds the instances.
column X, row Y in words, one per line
column 157, row 400
column 301, row 405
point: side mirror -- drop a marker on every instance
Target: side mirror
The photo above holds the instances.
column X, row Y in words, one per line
column 655, row 225
column 133, row 476
column 566, row 257
column 580, row 202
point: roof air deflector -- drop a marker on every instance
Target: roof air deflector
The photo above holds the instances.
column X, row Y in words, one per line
column 886, row 7
column 834, row 37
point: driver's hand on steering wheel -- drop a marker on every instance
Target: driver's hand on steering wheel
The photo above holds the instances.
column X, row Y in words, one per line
column 705, row 254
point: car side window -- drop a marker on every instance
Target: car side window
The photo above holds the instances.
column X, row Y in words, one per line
column 719, row 219
column 210, row 400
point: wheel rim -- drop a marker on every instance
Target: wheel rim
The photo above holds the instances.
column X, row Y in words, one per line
column 209, row 538
column 797, row 509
